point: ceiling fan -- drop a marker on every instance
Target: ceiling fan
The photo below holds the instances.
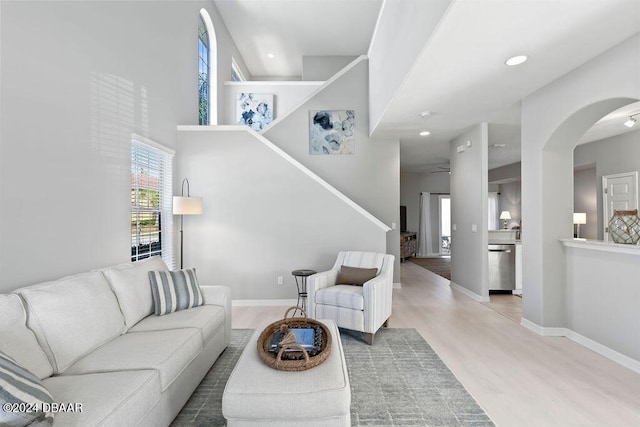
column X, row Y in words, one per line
column 442, row 169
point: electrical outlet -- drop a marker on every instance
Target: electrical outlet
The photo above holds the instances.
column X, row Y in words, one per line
column 280, row 281
column 393, row 225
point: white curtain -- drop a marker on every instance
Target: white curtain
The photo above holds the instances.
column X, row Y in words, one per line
column 494, row 211
column 424, row 231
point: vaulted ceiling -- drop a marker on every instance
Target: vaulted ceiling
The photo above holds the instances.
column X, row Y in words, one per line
column 460, row 75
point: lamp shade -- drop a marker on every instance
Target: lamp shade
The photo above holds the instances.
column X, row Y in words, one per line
column 505, row 215
column 579, row 218
column 187, row 205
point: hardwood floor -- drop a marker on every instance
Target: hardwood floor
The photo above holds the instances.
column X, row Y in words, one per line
column 508, row 305
column 517, row 376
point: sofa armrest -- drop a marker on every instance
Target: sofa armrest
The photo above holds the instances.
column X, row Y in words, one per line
column 316, row 282
column 220, row 295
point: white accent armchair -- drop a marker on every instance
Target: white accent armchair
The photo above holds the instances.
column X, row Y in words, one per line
column 361, row 308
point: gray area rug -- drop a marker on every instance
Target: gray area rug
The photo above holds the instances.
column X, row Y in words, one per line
column 399, row 381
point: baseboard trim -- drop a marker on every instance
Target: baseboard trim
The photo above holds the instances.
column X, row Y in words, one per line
column 263, row 302
column 601, row 349
column 469, row 293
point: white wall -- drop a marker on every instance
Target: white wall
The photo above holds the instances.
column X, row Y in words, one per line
column 370, row 176
column 511, row 200
column 287, row 96
column 553, row 119
column 77, row 79
column 262, row 217
column 585, row 197
column 613, row 155
column 469, row 263
column 321, row 68
column 403, row 28
column 602, row 298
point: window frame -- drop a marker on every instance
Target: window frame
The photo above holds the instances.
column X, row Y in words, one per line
column 158, row 161
column 212, row 70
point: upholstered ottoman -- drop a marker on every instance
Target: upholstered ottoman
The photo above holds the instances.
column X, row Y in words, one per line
column 257, row 395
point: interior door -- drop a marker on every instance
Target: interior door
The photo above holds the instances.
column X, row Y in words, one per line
column 620, row 192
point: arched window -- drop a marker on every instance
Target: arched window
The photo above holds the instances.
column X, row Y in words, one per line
column 207, row 71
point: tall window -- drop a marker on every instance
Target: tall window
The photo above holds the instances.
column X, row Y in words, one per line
column 151, row 217
column 207, row 72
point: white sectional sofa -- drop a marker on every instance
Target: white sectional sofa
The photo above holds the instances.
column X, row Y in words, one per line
column 93, row 339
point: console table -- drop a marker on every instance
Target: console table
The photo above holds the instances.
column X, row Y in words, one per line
column 408, row 245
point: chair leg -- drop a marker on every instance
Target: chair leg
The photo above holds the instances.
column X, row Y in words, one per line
column 385, row 324
column 370, row 338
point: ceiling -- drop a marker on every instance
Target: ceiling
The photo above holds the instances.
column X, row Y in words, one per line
column 460, row 75
column 291, row 29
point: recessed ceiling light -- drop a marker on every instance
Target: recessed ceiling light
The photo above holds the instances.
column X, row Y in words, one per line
column 516, row 60
column 270, row 55
column 425, row 133
column 425, row 114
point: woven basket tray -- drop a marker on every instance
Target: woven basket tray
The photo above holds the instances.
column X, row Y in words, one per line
column 305, row 361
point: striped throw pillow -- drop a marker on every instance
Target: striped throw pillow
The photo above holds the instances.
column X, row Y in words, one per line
column 22, row 396
column 174, row 290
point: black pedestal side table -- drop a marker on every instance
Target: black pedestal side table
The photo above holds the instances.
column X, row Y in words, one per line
column 302, row 286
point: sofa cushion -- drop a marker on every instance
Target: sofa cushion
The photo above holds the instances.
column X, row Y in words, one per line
column 168, row 352
column 18, row 341
column 107, row 399
column 355, row 276
column 347, row 296
column 174, row 290
column 130, row 283
column 72, row 316
column 25, row 395
column 207, row 318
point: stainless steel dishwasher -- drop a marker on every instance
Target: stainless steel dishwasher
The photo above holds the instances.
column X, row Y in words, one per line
column 502, row 267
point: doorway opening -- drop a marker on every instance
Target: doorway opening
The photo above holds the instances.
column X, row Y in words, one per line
column 444, row 202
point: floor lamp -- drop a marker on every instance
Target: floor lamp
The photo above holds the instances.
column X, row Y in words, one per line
column 185, row 205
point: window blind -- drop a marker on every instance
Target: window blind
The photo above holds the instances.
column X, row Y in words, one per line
column 151, row 199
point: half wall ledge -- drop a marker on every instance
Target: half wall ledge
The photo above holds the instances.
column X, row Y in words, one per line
column 601, row 245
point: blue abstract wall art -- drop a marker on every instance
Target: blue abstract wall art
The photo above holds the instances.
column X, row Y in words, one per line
column 332, row 132
column 255, row 110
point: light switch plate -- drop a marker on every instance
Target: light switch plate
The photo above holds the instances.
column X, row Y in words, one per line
column 454, row 227
column 474, row 228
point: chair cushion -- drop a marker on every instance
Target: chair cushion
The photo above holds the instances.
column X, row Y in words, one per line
column 174, row 290
column 355, row 276
column 20, row 388
column 207, row 318
column 168, row 352
column 18, row 341
column 72, row 316
column 107, row 399
column 346, row 296
column 130, row 283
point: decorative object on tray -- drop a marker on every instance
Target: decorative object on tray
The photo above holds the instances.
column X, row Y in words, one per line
column 624, row 227
column 294, row 343
column 332, row 132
